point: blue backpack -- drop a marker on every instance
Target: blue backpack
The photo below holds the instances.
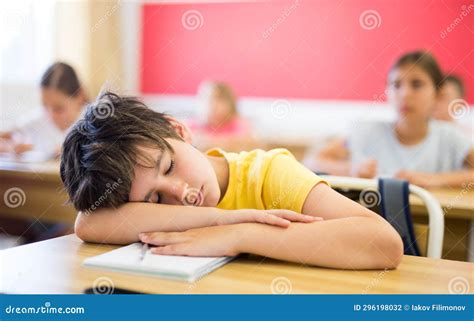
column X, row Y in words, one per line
column 395, row 208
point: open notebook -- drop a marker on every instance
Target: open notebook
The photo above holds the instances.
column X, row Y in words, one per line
column 182, row 268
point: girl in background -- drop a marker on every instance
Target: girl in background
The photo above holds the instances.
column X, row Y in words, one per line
column 63, row 98
column 219, row 123
column 414, row 147
column 451, row 103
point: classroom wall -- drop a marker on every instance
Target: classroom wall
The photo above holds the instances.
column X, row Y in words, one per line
column 287, row 121
column 88, row 36
column 299, row 49
column 85, row 34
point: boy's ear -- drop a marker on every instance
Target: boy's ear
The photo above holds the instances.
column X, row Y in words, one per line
column 181, row 129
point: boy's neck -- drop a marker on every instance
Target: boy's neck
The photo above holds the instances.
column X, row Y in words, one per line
column 411, row 133
column 221, row 168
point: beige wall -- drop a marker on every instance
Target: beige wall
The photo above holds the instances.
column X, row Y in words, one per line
column 88, row 37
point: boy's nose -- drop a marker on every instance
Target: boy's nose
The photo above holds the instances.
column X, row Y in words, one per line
column 176, row 190
column 407, row 91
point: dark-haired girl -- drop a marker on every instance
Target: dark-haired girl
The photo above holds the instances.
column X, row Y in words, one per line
column 63, row 98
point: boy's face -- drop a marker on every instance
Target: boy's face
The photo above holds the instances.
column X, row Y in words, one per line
column 219, row 112
column 185, row 177
column 448, row 93
column 412, row 92
column 62, row 109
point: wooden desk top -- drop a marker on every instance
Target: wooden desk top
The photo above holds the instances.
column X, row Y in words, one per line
column 55, row 266
column 46, row 171
column 456, row 202
column 40, row 194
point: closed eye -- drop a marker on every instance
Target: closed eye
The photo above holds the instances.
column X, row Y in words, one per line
column 170, row 168
column 168, row 171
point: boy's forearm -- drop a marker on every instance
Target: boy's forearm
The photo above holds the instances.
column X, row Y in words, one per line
column 347, row 243
column 122, row 225
column 455, row 179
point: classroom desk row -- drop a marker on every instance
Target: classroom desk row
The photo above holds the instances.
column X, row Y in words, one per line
column 44, row 199
column 34, row 191
column 55, row 266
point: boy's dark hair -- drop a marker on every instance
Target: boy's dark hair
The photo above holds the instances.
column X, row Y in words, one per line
column 457, row 82
column 62, row 77
column 425, row 61
column 101, row 150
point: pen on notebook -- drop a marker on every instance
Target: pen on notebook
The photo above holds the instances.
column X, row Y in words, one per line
column 144, row 250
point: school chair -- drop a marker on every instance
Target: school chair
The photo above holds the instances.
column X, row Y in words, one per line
column 391, row 196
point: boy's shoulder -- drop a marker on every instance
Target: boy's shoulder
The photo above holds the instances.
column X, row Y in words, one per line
column 249, row 156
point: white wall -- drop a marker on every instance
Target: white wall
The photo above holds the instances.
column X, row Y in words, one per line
column 26, row 49
column 290, row 120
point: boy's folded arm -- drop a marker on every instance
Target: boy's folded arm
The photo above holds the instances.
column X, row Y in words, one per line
column 122, row 225
column 351, row 236
column 345, row 243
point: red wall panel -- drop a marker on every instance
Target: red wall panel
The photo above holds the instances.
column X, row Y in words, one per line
column 299, row 49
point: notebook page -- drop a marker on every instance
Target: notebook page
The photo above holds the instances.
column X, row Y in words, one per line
column 128, row 258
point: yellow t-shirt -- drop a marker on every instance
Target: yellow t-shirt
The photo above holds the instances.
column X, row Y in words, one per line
column 266, row 180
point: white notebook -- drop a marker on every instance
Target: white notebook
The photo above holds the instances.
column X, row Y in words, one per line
column 182, row 268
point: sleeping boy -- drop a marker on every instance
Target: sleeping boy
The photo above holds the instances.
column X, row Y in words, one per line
column 134, row 175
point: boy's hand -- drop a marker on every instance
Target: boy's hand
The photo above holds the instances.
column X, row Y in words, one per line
column 419, row 179
column 277, row 217
column 22, row 148
column 367, row 169
column 205, row 241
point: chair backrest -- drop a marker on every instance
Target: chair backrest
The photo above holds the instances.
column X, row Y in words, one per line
column 389, row 201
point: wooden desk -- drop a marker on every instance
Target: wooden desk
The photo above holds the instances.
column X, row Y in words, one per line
column 458, row 208
column 456, row 202
column 41, row 190
column 55, row 266
column 45, row 199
